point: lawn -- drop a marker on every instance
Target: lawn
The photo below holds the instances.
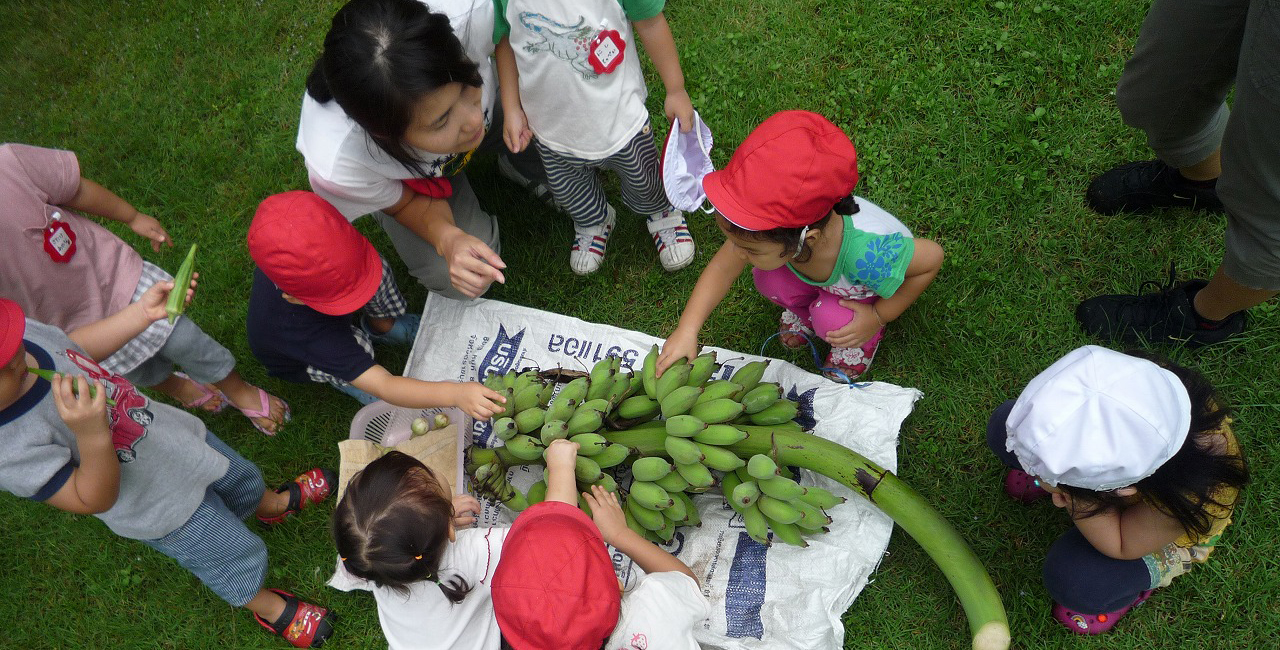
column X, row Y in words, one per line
column 977, row 123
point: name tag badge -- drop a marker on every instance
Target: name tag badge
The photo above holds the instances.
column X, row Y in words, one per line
column 606, row 50
column 59, row 240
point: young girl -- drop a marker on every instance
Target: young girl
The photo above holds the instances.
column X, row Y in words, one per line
column 839, row 266
column 396, row 530
column 69, row 271
column 571, row 75
column 395, row 107
column 1141, row 456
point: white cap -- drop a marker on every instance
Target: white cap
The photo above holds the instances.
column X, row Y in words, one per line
column 1099, row 419
column 686, row 158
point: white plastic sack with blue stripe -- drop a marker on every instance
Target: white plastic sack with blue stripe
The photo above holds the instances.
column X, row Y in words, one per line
column 774, row 597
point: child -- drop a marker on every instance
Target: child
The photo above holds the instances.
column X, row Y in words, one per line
column 396, row 528
column 555, row 587
column 149, row 471
column 1141, row 456
column 68, row 271
column 395, row 107
column 314, row 272
column 570, row 74
column 839, row 266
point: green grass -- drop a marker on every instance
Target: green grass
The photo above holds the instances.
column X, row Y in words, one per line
column 978, row 124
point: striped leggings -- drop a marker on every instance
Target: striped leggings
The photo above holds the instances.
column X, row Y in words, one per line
column 577, row 188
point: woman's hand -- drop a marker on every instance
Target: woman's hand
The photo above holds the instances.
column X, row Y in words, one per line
column 477, row 400
column 864, row 325
column 149, row 227
column 465, row 510
column 473, row 266
column 678, row 344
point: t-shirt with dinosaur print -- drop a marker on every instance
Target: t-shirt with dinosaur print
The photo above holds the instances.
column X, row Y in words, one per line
column 581, row 83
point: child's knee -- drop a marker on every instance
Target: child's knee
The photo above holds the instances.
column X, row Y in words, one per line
column 828, row 314
column 783, row 288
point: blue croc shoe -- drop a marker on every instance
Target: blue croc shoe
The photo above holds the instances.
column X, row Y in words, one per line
column 403, row 332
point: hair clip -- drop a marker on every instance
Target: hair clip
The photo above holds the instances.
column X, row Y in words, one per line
column 417, row 557
column 342, row 558
column 800, row 245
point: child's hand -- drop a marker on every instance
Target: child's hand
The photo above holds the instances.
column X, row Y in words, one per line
column 515, row 130
column 678, row 105
column 561, row 455
column 465, row 510
column 477, row 400
column 153, row 299
column 678, row 344
column 864, row 325
column 607, row 513
column 149, row 227
column 84, row 415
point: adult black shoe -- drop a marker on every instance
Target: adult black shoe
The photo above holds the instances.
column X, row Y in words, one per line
column 1161, row 316
column 1145, row 185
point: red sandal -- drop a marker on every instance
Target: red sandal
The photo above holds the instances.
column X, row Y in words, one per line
column 301, row 624
column 310, row 487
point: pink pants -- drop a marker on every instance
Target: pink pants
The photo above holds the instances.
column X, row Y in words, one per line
column 818, row 311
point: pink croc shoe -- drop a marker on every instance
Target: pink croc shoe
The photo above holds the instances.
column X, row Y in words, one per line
column 1021, row 486
column 1093, row 624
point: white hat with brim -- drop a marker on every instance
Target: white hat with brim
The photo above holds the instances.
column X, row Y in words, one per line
column 686, row 158
column 1099, row 419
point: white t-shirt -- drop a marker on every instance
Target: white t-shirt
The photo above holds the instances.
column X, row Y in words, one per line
column 344, row 165
column 572, row 109
column 660, row 613
column 426, row 620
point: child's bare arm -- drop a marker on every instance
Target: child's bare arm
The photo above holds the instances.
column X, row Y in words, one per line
column 96, row 199
column 923, row 268
column 607, row 513
column 515, row 126
column 103, row 338
column 473, row 266
column 476, row 400
column 93, row 486
column 714, row 283
column 562, row 457
column 656, row 37
column 1130, row 534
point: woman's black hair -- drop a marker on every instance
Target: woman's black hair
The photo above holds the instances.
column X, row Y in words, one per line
column 1187, row 484
column 380, row 58
column 392, row 526
column 790, row 237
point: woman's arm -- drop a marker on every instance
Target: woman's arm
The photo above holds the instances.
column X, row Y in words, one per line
column 655, row 34
column 925, row 263
column 714, row 283
column 473, row 266
column 95, row 199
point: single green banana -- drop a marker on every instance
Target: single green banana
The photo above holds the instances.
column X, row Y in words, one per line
column 598, row 404
column 691, row 515
column 505, row 428
column 677, row 511
column 811, row 517
column 718, row 389
column 821, row 498
column 761, row 467
column 682, row 450
column 650, row 495
column 631, row 521
column 576, row 390
column 720, row 434
column 585, row 420
column 587, row 470
column 607, row 482
column 756, row 524
column 717, row 411
column 589, row 444
column 611, row 456
column 515, row 500
column 561, row 407
column 651, row 468
column 673, row 483
column 674, row 377
column 619, row 388
column 508, row 406
column 524, row 447
column 783, row 410
column 788, row 532
column 719, row 458
column 679, row 400
column 638, row 406
column 761, row 397
column 548, row 391
column 744, row 494
column 684, row 426
column 728, row 484
column 537, row 493
column 667, row 532
column 777, row 510
column 530, row 420
column 648, row 518
column 527, row 397
column 749, row 375
column 553, row 430
column 697, row 474
column 647, row 370
column 701, row 369
column 509, row 379
column 600, row 378
column 492, row 381
column 782, row 488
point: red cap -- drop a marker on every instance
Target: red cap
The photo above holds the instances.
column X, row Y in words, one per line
column 13, row 323
column 790, row 172
column 309, row 250
column 554, row 588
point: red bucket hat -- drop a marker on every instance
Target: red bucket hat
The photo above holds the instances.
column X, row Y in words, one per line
column 554, row 588
column 788, row 173
column 309, row 250
column 13, row 324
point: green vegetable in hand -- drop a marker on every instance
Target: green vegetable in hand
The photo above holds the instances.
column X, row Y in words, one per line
column 49, row 374
column 177, row 302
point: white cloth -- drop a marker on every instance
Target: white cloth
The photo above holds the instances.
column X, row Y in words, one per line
column 569, row 107
column 425, row 619
column 344, row 165
column 660, row 612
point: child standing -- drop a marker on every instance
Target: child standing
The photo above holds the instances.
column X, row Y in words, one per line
column 1141, row 456
column 839, row 266
column 149, row 471
column 315, row 272
column 570, row 74
column 555, row 588
column 68, row 271
column 396, row 530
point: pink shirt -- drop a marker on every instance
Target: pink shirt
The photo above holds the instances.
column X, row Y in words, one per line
column 100, row 277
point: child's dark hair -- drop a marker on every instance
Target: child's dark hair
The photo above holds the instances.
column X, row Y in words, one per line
column 392, row 526
column 1186, row 484
column 790, row 237
column 381, row 57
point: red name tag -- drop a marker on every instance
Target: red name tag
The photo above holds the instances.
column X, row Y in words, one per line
column 606, row 50
column 59, row 240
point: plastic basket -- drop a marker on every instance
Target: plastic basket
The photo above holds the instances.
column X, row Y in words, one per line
column 389, row 425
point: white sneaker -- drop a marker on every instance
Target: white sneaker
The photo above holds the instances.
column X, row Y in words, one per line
column 540, row 191
column 672, row 239
column 589, row 244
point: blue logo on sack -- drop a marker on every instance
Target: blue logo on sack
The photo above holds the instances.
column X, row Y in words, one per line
column 501, row 358
column 804, row 402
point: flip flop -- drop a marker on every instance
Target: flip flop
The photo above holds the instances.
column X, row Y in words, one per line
column 264, row 411
column 206, row 394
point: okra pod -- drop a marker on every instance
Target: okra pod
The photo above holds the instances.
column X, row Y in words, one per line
column 181, row 282
column 48, row 375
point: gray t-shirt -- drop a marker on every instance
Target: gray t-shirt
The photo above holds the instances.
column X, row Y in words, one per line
column 165, row 464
